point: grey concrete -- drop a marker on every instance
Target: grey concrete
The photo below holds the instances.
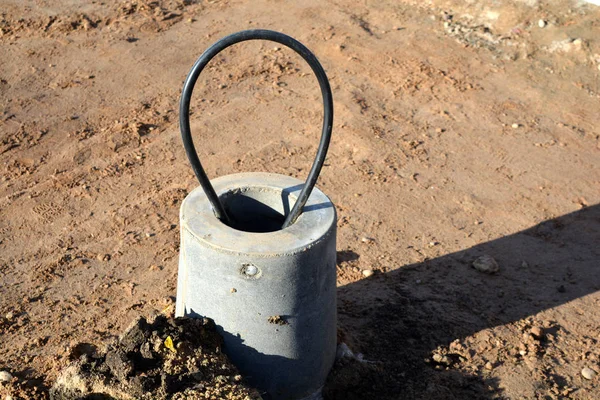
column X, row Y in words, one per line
column 272, row 294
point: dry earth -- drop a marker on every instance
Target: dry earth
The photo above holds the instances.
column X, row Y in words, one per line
column 461, row 130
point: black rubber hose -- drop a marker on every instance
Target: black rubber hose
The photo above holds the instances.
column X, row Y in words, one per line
column 184, row 116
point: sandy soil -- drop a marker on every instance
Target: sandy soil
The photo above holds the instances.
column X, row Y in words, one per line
column 461, row 130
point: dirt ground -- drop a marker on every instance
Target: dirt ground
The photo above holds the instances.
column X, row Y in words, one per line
column 462, row 129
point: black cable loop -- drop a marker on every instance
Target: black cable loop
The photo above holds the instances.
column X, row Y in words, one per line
column 184, row 116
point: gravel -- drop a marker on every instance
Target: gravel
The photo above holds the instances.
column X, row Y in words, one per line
column 588, row 373
column 5, row 376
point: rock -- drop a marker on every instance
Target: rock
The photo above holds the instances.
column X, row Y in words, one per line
column 486, row 264
column 135, row 334
column 145, row 351
column 103, row 257
column 588, row 373
column 541, row 23
column 5, row 376
column 343, row 351
column 515, row 126
column 368, row 272
column 488, row 365
column 168, row 300
column 366, row 239
column 537, row 332
column 9, row 315
column 119, row 364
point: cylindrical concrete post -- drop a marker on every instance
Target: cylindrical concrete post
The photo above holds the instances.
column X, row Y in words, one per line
column 271, row 291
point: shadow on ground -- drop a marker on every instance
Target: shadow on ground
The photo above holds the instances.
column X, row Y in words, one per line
column 398, row 322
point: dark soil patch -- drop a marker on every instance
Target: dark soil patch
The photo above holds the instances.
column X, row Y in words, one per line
column 166, row 358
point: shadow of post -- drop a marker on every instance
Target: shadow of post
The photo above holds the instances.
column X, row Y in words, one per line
column 398, row 323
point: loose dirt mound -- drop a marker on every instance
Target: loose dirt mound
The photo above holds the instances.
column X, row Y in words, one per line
column 163, row 359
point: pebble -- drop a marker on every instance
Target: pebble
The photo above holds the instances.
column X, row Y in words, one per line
column 103, row 257
column 588, row 373
column 168, row 300
column 541, row 23
column 515, row 126
column 368, row 272
column 5, row 376
column 10, row 315
column 366, row 239
column 537, row 332
column 488, row 365
column 487, row 264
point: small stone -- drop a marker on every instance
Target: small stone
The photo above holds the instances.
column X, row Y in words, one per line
column 489, row 366
column 561, row 289
column 368, row 272
column 145, row 351
column 168, row 300
column 437, row 357
column 541, row 23
column 5, row 376
column 10, row 315
column 537, row 332
column 515, row 126
column 588, row 373
column 366, row 239
column 233, row 290
column 486, row 264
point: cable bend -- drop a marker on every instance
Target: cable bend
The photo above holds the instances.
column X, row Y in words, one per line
column 184, row 116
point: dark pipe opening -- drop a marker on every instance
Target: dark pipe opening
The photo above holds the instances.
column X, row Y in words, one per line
column 258, row 210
